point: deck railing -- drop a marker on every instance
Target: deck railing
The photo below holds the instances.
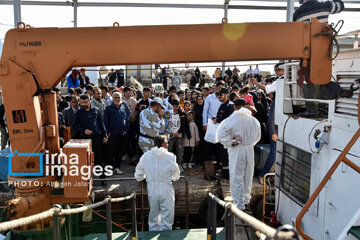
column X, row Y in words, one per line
column 284, row 233
column 57, row 212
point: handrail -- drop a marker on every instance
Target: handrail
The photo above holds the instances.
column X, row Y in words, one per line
column 187, row 213
column 253, row 222
column 314, row 195
column 50, row 213
column 141, row 193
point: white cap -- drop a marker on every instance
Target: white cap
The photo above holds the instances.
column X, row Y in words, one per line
column 159, row 101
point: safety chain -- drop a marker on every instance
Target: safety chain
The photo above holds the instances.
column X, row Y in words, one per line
column 335, row 30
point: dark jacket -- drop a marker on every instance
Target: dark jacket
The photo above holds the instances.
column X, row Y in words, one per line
column 184, row 124
column 84, row 81
column 69, row 119
column 112, row 77
column 116, row 120
column 273, row 129
column 197, row 73
column 318, row 9
column 121, row 78
column 2, row 113
column 193, row 81
column 198, row 109
column 228, row 72
column 62, row 105
column 89, row 120
column 225, row 110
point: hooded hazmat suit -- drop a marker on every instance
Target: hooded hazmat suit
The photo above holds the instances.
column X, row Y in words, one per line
column 159, row 167
column 244, row 129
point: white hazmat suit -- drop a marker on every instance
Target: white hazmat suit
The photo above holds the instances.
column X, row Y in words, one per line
column 244, row 128
column 159, row 167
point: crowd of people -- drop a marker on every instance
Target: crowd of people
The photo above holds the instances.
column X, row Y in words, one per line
column 124, row 121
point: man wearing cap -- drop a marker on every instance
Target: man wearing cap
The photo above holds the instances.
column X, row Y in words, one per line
column 239, row 133
column 159, row 92
column 151, row 122
column 279, row 70
column 225, row 110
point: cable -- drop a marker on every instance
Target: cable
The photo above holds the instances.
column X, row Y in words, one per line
column 283, row 149
column 325, row 120
column 334, row 32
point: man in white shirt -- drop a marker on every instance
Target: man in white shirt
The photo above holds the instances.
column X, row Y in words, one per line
column 249, row 72
column 279, row 70
column 211, row 107
column 257, row 73
column 212, row 104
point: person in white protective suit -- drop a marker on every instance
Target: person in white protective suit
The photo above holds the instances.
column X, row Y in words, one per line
column 159, row 167
column 239, row 133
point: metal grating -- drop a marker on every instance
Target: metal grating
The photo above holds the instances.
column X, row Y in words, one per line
column 295, row 173
column 347, row 106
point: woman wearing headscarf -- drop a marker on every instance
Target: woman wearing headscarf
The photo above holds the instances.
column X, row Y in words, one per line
column 262, row 115
column 198, row 109
column 73, row 80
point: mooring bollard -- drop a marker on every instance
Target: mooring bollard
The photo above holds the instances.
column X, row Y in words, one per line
column 108, row 219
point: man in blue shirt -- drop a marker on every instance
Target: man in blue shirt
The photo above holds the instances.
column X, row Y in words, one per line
column 89, row 125
column 116, row 119
column 211, row 107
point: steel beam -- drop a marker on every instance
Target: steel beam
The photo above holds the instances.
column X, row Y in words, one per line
column 226, row 8
column 75, row 12
column 290, row 10
column 169, row 5
column 17, row 12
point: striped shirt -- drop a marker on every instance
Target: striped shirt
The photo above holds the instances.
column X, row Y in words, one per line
column 319, row 10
